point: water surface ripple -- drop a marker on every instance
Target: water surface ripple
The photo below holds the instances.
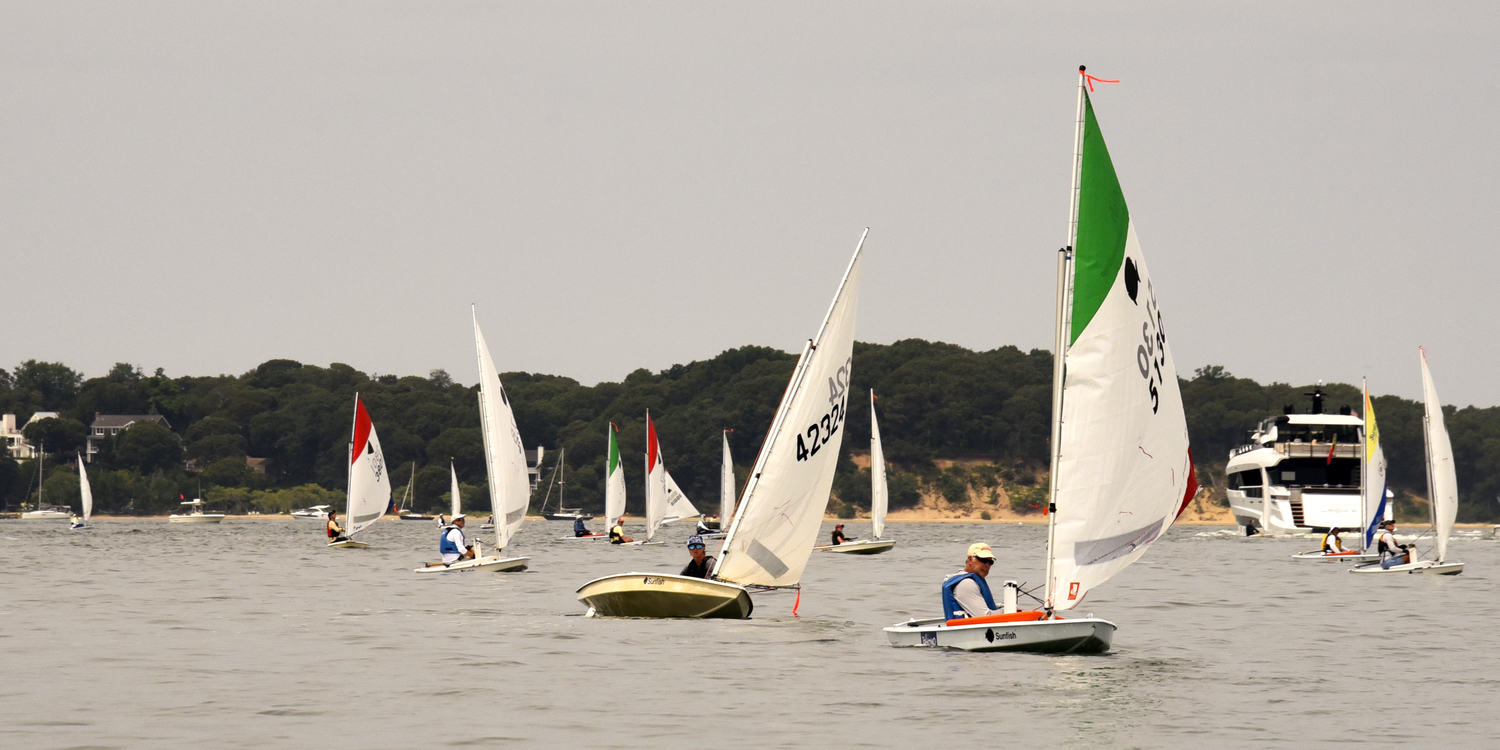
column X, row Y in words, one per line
column 250, row 634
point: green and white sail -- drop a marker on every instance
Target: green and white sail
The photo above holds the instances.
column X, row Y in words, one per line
column 1122, row 471
column 614, row 480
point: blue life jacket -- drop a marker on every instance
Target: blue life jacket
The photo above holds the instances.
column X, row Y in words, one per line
column 951, row 609
column 446, row 545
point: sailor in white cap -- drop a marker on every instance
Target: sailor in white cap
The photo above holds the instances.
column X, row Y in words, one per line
column 966, row 594
column 452, row 544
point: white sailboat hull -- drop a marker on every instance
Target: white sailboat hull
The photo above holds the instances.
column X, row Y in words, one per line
column 78, row 526
column 859, row 547
column 492, row 564
column 197, row 518
column 1084, row 635
column 663, row 595
column 589, row 538
column 348, row 544
column 45, row 515
column 1421, row 566
column 1348, row 557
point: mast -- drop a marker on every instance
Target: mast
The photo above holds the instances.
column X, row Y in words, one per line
column 349, row 467
column 1060, row 337
column 1427, row 445
column 562, row 457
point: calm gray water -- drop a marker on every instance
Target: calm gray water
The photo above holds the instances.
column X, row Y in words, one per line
column 143, row 634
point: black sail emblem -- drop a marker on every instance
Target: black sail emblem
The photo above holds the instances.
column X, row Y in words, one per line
column 1132, row 279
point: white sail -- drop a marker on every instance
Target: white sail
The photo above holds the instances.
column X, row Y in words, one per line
column 614, row 483
column 726, row 487
column 1122, row 471
column 453, row 491
column 665, row 502
column 504, row 454
column 1442, row 479
column 85, row 492
column 879, row 495
column 777, row 523
column 369, row 484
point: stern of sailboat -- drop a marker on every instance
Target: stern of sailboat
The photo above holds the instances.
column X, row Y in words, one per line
column 662, row 595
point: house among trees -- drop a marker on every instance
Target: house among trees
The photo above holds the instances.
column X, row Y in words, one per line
column 15, row 439
column 110, row 425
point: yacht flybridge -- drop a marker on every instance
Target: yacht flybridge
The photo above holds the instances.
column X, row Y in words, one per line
column 1300, row 472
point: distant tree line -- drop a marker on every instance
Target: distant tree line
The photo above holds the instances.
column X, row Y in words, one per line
column 935, row 400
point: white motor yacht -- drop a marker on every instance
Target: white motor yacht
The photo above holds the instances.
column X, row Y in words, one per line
column 194, row 514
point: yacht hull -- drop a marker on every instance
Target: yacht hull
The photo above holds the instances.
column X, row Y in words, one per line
column 197, row 518
column 1421, row 566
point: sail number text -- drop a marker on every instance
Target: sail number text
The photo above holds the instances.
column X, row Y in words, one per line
column 826, row 426
column 1152, row 354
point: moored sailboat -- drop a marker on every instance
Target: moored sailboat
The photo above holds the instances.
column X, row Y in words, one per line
column 879, row 497
column 1442, row 488
column 368, row 482
column 614, row 489
column 774, row 530
column 1121, row 470
column 504, row 464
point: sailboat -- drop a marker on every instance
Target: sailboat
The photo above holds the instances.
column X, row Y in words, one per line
column 86, row 498
column 369, row 483
column 1121, row 470
column 726, row 498
column 1372, row 494
column 405, row 512
column 774, row 531
column 665, row 501
column 504, row 465
column 879, row 496
column 42, row 512
column 1442, row 488
column 614, row 487
column 561, row 514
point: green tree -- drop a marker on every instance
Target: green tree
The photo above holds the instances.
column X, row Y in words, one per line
column 147, row 447
column 57, row 435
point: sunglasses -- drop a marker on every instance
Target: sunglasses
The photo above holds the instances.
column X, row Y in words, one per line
column 986, row 560
column 695, row 546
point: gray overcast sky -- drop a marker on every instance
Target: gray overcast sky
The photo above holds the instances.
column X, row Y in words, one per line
column 205, row 186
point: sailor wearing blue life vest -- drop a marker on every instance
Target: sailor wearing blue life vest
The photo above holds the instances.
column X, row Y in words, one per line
column 452, row 545
column 966, row 594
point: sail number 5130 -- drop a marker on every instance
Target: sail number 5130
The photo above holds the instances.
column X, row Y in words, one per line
column 826, row 426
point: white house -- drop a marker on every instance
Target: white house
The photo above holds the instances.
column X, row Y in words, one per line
column 109, row 425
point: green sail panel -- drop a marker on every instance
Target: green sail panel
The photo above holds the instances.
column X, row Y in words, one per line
column 1102, row 222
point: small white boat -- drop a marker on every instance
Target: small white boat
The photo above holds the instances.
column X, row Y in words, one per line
column 195, row 514
column 86, row 496
column 1442, row 488
column 772, row 535
column 46, row 514
column 1023, row 631
column 368, row 481
column 486, row 563
column 879, row 494
column 505, row 468
column 42, row 512
column 1347, row 556
column 315, row 513
column 665, row 595
column 859, row 547
column 1121, row 467
column 584, row 538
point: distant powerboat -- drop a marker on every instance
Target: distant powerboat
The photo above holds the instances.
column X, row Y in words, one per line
column 195, row 514
column 315, row 513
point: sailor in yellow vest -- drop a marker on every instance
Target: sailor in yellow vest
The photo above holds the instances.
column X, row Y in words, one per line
column 1331, row 542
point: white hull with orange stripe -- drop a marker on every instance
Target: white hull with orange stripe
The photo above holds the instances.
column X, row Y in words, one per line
column 1080, row 635
column 1348, row 557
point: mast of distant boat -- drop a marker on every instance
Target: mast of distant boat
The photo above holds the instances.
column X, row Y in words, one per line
column 1364, row 471
column 1064, row 290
